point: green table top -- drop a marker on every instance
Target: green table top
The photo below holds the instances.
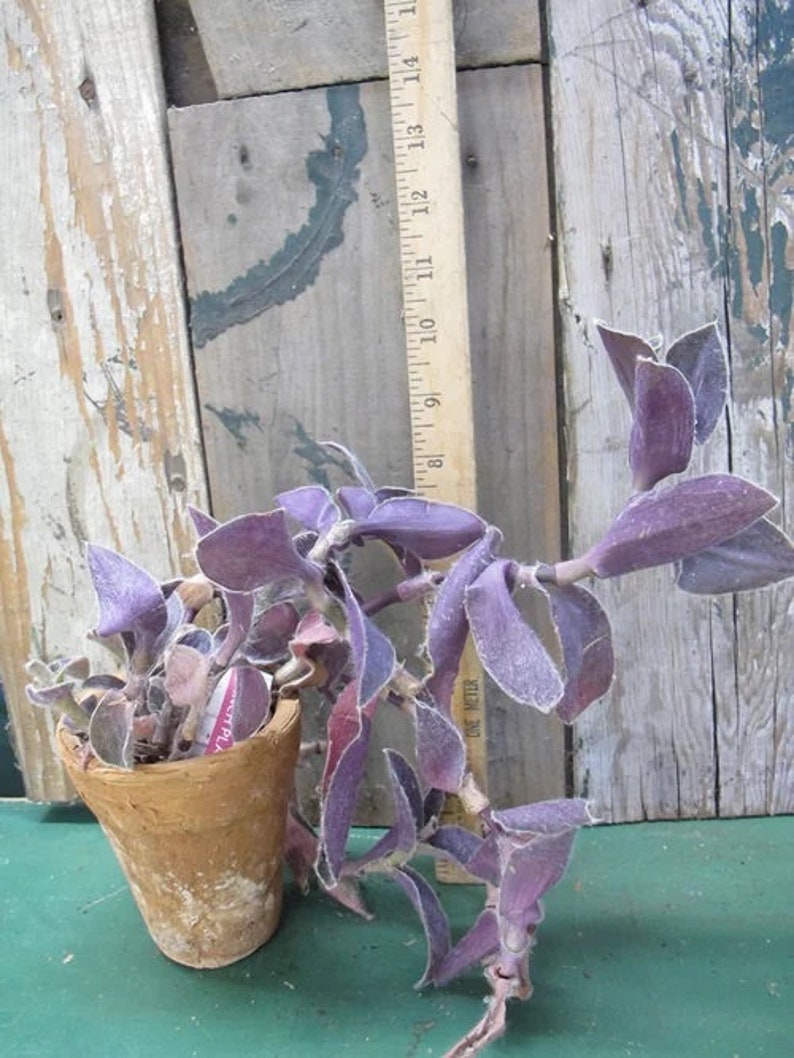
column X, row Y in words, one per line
column 664, row 939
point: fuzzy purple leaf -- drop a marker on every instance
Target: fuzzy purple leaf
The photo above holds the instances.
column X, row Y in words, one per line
column 663, row 430
column 677, row 521
column 374, row 658
column 440, row 749
column 203, row 523
column 586, row 640
column 481, row 942
column 357, row 501
column 432, row 916
column 468, row 850
column 271, row 634
column 543, row 817
column 110, row 731
column 251, row 704
column 426, row 528
column 129, row 598
column 252, row 551
column 624, row 351
column 754, row 558
column 348, row 741
column 700, row 357
column 509, row 649
column 311, row 505
column 529, row 871
column 402, row 835
column 239, row 614
column 54, row 695
column 448, row 625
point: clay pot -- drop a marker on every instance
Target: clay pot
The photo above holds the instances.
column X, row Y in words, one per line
column 201, row 841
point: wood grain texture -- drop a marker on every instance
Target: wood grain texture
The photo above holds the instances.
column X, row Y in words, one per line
column 277, row 45
column 291, row 250
column 98, row 436
column 670, row 214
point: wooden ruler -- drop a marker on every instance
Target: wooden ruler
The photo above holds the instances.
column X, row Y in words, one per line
column 424, row 115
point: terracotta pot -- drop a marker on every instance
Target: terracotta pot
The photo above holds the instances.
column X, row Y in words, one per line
column 201, row 841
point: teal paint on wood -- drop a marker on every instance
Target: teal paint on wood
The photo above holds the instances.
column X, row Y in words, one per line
column 663, row 939
column 296, row 265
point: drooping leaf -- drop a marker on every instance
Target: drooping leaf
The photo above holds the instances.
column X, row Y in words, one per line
column 676, row 521
column 624, row 351
column 481, row 942
column 586, row 640
column 252, row 551
column 754, row 558
column 426, row 528
column 432, row 916
column 311, row 505
column 530, row 870
column 373, row 653
column 110, row 730
column 543, row 817
column 440, row 749
column 348, row 741
column 663, row 430
column 509, row 649
column 128, row 596
column 448, row 625
column 400, row 840
column 700, row 357
column 239, row 614
column 463, row 847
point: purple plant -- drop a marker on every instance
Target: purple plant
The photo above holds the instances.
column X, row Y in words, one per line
column 293, row 618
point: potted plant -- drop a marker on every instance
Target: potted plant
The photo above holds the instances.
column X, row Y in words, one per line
column 295, row 617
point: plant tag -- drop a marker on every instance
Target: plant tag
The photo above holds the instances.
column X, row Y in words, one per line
column 215, row 730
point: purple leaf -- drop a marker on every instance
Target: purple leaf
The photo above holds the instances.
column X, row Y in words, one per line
column 463, row 847
column 624, row 351
column 663, row 430
column 677, row 521
column 251, row 704
column 348, row 741
column 110, row 731
column 203, row 523
column 408, row 816
column 510, row 651
column 754, row 558
column 432, row 916
column 271, row 634
column 586, row 640
column 51, row 696
column 700, row 358
column 374, row 658
column 424, row 527
column 440, row 749
column 357, row 501
column 128, row 596
column 481, row 941
column 543, row 817
column 239, row 613
column 529, row 871
column 448, row 625
column 311, row 505
column 252, row 551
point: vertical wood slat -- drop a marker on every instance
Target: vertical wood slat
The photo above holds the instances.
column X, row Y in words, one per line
column 254, row 47
column 296, row 306
column 671, row 148
column 98, row 436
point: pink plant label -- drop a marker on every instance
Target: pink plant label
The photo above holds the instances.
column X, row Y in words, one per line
column 219, row 714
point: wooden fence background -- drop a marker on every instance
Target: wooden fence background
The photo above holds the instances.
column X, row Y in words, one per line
column 200, row 282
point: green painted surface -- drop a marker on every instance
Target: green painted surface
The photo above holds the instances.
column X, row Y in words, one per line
column 663, row 940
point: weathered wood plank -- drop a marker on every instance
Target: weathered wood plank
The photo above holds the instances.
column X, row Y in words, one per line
column 255, row 47
column 291, row 251
column 652, row 234
column 98, row 438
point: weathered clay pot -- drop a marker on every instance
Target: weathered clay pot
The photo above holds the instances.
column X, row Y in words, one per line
column 201, row 841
